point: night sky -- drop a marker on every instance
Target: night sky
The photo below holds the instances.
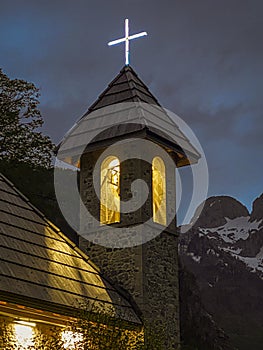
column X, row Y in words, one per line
column 202, row 59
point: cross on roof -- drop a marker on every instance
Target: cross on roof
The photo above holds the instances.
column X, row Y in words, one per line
column 127, row 39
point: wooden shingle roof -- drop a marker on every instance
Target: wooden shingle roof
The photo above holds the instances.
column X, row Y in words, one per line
column 127, row 86
column 42, row 268
column 125, row 109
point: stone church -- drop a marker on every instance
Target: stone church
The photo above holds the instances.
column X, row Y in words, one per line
column 127, row 149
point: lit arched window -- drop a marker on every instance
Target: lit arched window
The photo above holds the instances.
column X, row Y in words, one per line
column 110, row 191
column 159, row 191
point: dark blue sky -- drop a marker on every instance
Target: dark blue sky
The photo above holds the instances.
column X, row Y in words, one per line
column 202, row 59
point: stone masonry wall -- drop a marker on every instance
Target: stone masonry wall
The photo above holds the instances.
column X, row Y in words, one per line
column 148, row 273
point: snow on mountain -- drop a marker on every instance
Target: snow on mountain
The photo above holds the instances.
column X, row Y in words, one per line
column 228, row 238
column 233, row 230
column 256, row 263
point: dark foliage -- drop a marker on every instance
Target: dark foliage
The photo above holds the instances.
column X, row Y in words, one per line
column 20, row 120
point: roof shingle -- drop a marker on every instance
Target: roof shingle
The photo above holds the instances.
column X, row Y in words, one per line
column 41, row 266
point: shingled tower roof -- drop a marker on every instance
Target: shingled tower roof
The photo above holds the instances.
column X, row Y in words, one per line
column 126, row 108
column 127, row 86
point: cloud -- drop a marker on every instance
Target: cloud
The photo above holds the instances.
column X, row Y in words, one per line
column 201, row 59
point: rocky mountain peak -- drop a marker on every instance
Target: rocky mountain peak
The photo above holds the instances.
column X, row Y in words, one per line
column 216, row 209
column 257, row 209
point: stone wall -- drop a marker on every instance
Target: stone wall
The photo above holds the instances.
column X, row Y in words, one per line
column 147, row 273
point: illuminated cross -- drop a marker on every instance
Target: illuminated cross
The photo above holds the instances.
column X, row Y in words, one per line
column 127, row 41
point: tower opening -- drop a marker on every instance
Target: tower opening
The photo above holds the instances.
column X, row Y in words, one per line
column 110, row 191
column 159, row 191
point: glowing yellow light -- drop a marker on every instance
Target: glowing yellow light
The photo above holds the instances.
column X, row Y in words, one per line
column 26, row 323
column 159, row 191
column 24, row 334
column 110, row 191
column 72, row 340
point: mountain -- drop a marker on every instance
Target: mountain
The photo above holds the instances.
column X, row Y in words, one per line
column 224, row 251
column 199, row 331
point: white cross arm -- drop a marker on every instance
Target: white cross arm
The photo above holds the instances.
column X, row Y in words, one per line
column 135, row 36
column 117, row 41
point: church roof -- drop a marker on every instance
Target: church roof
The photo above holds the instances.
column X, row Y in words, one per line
column 124, row 109
column 127, row 86
column 41, row 268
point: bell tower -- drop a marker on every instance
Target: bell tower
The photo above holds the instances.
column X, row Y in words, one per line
column 127, row 185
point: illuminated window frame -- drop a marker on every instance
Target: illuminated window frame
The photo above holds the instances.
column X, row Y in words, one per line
column 110, row 191
column 159, row 191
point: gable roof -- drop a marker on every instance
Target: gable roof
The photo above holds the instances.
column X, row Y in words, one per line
column 42, row 268
column 124, row 109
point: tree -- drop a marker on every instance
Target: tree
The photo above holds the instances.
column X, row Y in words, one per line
column 20, row 120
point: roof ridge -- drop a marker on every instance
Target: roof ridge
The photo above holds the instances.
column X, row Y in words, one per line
column 104, row 91
column 131, row 88
column 132, row 71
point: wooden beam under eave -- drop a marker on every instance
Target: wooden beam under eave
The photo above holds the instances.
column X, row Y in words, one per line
column 21, row 312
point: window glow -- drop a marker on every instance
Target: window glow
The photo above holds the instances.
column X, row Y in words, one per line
column 72, row 340
column 24, row 334
column 110, row 191
column 159, row 191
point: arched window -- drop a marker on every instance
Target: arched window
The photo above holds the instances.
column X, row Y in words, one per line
column 110, row 191
column 159, row 191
